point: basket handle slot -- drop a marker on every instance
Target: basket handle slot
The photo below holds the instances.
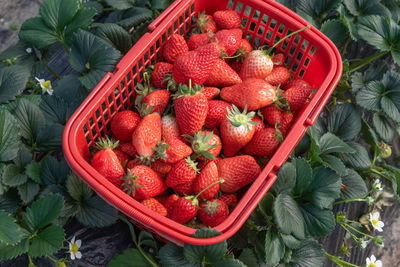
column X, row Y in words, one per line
column 152, row 26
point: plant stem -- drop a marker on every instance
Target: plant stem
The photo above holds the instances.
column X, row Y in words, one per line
column 359, row 198
column 286, row 37
column 53, row 260
column 339, row 261
column 366, row 61
column 53, row 72
column 345, row 45
column 358, row 231
column 381, row 174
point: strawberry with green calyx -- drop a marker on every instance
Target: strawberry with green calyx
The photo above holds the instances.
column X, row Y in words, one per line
column 275, row 116
column 170, row 128
column 217, row 111
column 265, row 142
column 191, row 108
column 122, row 157
column 222, row 75
column 182, row 172
column 204, row 23
column 203, row 163
column 154, row 205
column 237, row 129
column 169, row 203
column 132, row 163
column 227, row 19
column 228, row 41
column 155, row 101
column 123, row 124
column 260, row 124
column 161, row 70
column 106, row 162
column 143, row 89
column 279, row 59
column 185, row 208
column 207, row 176
column 213, row 212
column 141, row 182
column 296, row 82
column 258, row 63
column 172, row 150
column 205, row 144
column 297, row 96
column 174, row 47
column 210, row 92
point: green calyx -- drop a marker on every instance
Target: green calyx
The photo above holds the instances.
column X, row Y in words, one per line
column 161, row 150
column 106, row 143
column 280, row 101
column 200, row 21
column 199, row 144
column 194, row 199
column 211, row 207
column 171, row 85
column 192, row 164
column 130, row 183
column 278, row 133
column 184, row 90
column 238, row 118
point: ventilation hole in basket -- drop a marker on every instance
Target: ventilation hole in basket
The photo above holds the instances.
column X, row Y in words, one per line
column 257, row 42
column 260, row 30
column 287, row 61
column 312, row 51
column 146, row 57
column 306, row 62
column 256, row 15
column 277, row 38
column 252, row 26
column 239, row 7
column 281, row 28
column 268, row 36
column 299, row 56
column 230, row 4
column 295, row 66
column 273, row 24
column 291, row 51
column 175, row 25
column 301, row 73
column 304, row 45
column 264, row 19
column 244, row 22
column 249, row 36
column 284, row 45
column 169, row 31
column 247, row 11
column 297, row 39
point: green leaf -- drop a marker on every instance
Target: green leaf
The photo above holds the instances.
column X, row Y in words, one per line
column 369, row 97
column 330, row 143
column 77, row 188
column 49, row 140
column 315, row 11
column 171, row 255
column 58, row 13
column 82, row 20
column 31, row 119
column 286, row 178
column 274, row 248
column 366, row 7
column 87, row 57
column 344, row 121
column 374, row 72
column 335, row 30
column 35, row 32
column 265, row 204
column 160, row 4
column 359, row 160
column 290, row 241
column 325, row 187
column 13, row 176
column 381, row 32
column 24, row 157
column 129, row 258
column 310, row 253
column 116, row 36
column 95, row 212
column 249, row 258
column 369, row 135
column 303, row 176
column 69, row 88
column 287, row 216
column 43, row 211
column 18, row 55
column 28, row 191
column 47, row 242
column 383, row 127
column 334, row 163
column 135, row 17
column 354, row 185
column 230, row 263
column 9, row 201
column 54, row 172
column 55, row 109
column 8, row 252
column 121, row 4
column 33, row 170
column 210, row 253
column 317, row 222
column 10, row 232
column 257, row 239
column 390, row 109
column 12, row 82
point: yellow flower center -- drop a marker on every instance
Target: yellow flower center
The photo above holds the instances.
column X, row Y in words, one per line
column 374, row 223
column 372, row 264
column 74, row 248
column 46, row 84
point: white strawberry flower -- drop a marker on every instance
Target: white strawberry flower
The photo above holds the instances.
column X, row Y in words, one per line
column 372, row 262
column 376, row 223
column 364, row 244
column 74, row 248
column 378, row 185
column 46, row 86
column 28, row 50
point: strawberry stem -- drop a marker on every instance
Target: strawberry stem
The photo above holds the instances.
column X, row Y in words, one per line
column 287, row 36
column 217, row 182
column 106, row 143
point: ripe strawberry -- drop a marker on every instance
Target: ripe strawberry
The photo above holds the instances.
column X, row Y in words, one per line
column 236, row 65
column 228, row 40
column 237, row 129
column 264, row 143
column 197, row 40
column 175, row 46
column 161, row 70
column 260, row 124
column 132, row 163
column 146, row 135
column 169, row 128
column 203, row 163
column 287, row 122
column 204, row 23
column 296, row 82
column 216, row 113
column 156, row 101
column 172, row 150
column 255, row 93
column 141, row 182
column 155, row 205
column 184, row 209
column 128, row 148
column 257, row 64
column 191, row 108
column 213, row 212
column 229, row 199
column 123, row 124
column 237, row 172
column 161, row 167
column 162, row 198
column 206, row 144
column 182, row 172
column 184, row 189
column 222, row 75
column 297, row 96
column 169, row 203
column 107, row 163
column 277, row 118
column 195, row 65
column 207, row 176
column 227, row 19
column 211, row 92
column 122, row 157
column 278, row 76
column 244, row 48
column 279, row 59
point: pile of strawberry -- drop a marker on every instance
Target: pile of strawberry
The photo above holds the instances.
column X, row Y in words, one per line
column 168, row 154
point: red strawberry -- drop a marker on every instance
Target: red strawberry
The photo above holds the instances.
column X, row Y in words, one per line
column 211, row 92
column 184, row 209
column 122, row 157
column 184, row 189
column 237, row 172
column 222, row 75
column 155, row 205
column 169, row 203
column 236, row 65
column 191, row 108
column 161, row 167
column 203, row 163
column 297, row 96
column 228, row 40
column 157, row 100
column 128, row 148
column 161, row 70
column 207, row 176
column 146, row 135
column 182, row 172
column 296, row 82
column 169, row 127
column 132, row 163
column 213, row 212
column 255, row 93
column 279, row 59
column 206, row 145
column 276, row 117
column 216, row 113
column 260, row 124
column 205, row 23
column 229, row 199
column 278, row 76
column 264, row 143
column 107, row 163
column 197, row 40
column 172, row 150
column 227, row 19
column 286, row 123
column 257, row 64
column 174, row 47
column 141, row 182
column 162, row 199
column 123, row 124
column 244, row 48
column 195, row 65
column 237, row 129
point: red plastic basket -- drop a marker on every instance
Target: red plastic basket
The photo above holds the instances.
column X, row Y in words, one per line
column 310, row 55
